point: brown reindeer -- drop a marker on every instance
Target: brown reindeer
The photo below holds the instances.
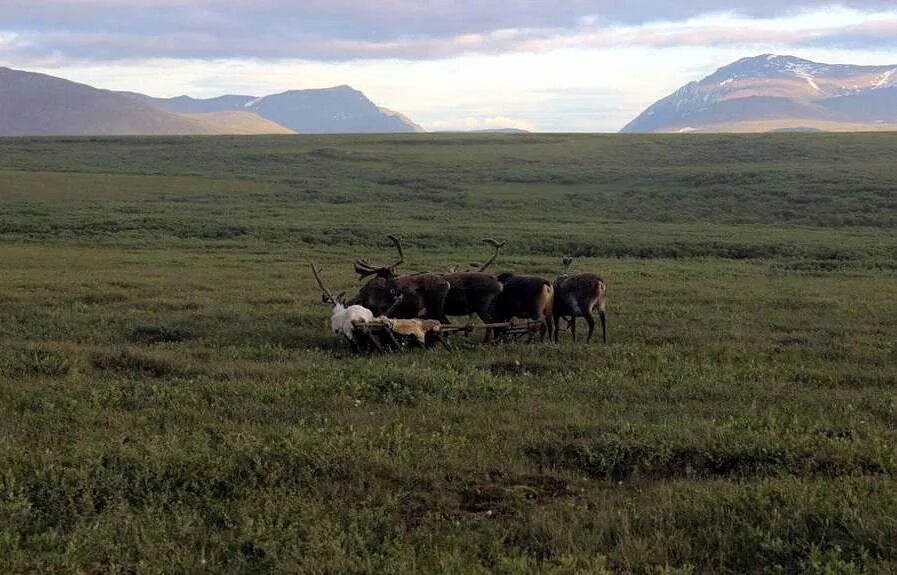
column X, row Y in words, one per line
column 577, row 295
column 522, row 297
column 422, row 295
column 474, row 291
column 426, row 295
column 526, row 297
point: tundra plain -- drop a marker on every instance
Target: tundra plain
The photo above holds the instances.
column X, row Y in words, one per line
column 171, row 400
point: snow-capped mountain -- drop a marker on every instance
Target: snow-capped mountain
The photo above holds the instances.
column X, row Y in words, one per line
column 341, row 109
column 771, row 92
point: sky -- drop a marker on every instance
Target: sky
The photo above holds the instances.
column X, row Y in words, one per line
column 563, row 65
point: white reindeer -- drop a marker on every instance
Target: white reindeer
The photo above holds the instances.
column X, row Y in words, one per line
column 342, row 319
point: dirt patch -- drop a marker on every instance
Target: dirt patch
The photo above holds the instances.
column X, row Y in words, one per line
column 504, row 495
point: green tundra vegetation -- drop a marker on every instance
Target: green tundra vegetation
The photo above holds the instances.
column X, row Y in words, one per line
column 171, row 400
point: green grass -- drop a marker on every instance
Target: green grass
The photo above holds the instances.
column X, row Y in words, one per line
column 171, row 401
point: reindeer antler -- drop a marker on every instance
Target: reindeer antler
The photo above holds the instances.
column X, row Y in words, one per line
column 398, row 244
column 496, row 245
column 328, row 297
column 364, row 268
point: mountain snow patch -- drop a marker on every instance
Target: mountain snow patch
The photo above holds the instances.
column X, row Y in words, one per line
column 886, row 79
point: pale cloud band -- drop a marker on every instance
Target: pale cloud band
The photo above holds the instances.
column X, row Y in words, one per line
column 480, row 123
column 341, row 30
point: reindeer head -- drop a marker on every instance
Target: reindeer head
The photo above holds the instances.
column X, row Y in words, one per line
column 381, row 292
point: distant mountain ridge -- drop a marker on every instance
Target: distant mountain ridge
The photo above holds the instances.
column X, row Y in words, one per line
column 336, row 110
column 40, row 105
column 771, row 92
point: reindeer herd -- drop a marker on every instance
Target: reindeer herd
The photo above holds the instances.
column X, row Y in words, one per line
column 420, row 303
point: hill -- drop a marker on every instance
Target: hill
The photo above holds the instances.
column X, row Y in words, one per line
column 337, row 110
column 234, row 123
column 40, row 105
column 771, row 92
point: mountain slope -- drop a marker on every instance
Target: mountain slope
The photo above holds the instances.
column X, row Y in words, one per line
column 40, row 105
column 321, row 111
column 188, row 105
column 772, row 92
column 234, row 123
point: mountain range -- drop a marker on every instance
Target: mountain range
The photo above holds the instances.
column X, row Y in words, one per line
column 778, row 93
column 757, row 94
column 37, row 105
column 337, row 110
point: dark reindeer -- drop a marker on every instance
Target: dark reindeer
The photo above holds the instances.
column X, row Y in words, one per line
column 427, row 295
column 577, row 295
column 522, row 296
column 526, row 297
column 474, row 291
column 422, row 295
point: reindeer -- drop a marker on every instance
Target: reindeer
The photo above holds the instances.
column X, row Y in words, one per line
column 474, row 291
column 427, row 295
column 343, row 319
column 423, row 295
column 523, row 297
column 577, row 295
column 528, row 297
column 423, row 332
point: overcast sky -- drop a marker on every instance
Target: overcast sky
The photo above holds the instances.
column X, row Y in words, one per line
column 573, row 65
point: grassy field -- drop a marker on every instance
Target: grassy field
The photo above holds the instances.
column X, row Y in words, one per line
column 171, row 401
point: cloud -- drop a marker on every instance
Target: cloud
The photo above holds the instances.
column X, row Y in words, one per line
column 473, row 123
column 10, row 41
column 876, row 33
column 342, row 30
column 393, row 18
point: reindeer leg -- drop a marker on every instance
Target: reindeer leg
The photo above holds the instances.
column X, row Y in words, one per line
column 546, row 328
column 443, row 341
column 530, row 332
column 434, row 338
column 436, row 309
column 486, row 317
column 392, row 339
column 537, row 315
column 375, row 341
column 590, row 319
